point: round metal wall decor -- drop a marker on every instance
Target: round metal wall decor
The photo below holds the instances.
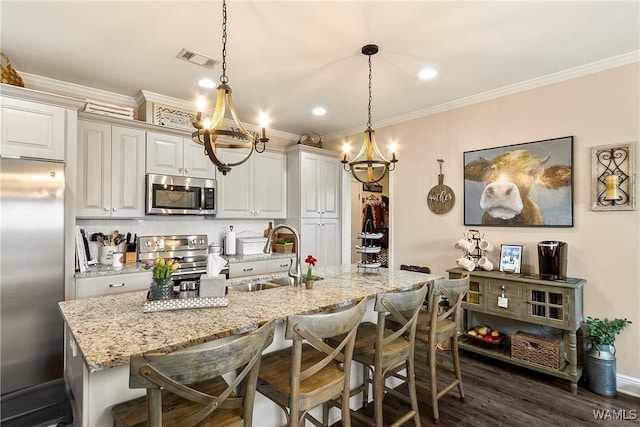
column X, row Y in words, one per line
column 441, row 198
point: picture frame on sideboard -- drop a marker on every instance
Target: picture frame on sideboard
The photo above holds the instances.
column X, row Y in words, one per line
column 510, row 258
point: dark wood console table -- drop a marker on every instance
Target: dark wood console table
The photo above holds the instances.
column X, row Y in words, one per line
column 542, row 302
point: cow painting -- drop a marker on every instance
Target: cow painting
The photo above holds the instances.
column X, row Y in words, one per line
column 509, row 183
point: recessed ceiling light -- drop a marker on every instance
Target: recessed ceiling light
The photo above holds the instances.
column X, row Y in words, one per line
column 206, row 83
column 427, row 73
column 319, row 111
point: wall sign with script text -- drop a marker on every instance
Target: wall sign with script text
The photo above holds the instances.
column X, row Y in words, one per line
column 441, row 198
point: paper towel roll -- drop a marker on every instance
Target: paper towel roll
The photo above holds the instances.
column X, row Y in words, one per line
column 230, row 243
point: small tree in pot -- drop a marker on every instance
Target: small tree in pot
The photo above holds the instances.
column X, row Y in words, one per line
column 600, row 358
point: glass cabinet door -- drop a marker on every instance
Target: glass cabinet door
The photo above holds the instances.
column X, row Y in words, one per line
column 548, row 304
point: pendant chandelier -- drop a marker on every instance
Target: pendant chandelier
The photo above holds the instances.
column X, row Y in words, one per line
column 369, row 165
column 210, row 130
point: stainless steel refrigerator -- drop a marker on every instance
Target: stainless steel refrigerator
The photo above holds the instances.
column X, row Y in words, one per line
column 31, row 272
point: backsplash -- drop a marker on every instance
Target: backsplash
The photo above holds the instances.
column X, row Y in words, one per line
column 215, row 229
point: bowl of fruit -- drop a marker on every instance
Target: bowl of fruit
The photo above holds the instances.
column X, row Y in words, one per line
column 484, row 336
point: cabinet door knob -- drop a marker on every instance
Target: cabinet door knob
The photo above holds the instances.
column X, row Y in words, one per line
column 186, row 171
column 106, row 209
column 179, row 169
column 115, row 209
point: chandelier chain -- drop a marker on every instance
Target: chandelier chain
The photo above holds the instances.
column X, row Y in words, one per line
column 223, row 78
column 370, row 97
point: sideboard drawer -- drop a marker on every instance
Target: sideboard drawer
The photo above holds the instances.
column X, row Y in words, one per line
column 514, row 294
column 510, row 289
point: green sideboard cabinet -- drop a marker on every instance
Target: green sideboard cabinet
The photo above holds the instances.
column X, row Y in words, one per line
column 556, row 304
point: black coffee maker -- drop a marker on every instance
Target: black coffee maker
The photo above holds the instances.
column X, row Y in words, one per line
column 552, row 260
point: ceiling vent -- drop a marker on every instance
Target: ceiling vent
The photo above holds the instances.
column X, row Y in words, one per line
column 197, row 58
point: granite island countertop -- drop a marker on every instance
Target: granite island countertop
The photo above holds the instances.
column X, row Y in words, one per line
column 109, row 329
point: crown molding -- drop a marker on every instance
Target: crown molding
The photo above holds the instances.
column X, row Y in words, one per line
column 572, row 73
column 46, row 84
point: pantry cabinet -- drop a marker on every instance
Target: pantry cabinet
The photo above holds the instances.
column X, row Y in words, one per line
column 110, row 171
column 314, row 184
column 321, row 239
column 32, row 129
column 178, row 156
column 314, row 194
column 254, row 189
column 556, row 304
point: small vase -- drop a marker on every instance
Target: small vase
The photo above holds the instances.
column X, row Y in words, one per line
column 161, row 288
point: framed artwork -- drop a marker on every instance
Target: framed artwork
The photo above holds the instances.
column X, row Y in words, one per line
column 510, row 258
column 521, row 185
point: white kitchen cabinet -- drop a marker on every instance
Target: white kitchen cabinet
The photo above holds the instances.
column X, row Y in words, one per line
column 280, row 264
column 321, row 238
column 87, row 287
column 314, row 182
column 254, row 189
column 31, row 129
column 175, row 155
column 253, row 268
column 110, row 171
column 314, row 194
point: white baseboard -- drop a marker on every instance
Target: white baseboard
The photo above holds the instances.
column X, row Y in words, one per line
column 628, row 385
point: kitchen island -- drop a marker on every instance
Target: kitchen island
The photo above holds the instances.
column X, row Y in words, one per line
column 101, row 334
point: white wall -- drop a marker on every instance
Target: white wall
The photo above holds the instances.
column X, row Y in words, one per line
column 603, row 247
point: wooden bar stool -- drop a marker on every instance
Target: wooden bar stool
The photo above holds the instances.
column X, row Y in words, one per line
column 185, row 388
column 387, row 348
column 446, row 328
column 312, row 372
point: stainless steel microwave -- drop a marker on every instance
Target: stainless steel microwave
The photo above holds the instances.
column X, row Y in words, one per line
column 179, row 195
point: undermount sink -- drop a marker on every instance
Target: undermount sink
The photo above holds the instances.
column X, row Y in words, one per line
column 260, row 286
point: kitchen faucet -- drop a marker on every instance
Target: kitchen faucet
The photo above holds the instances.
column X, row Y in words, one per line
column 297, row 273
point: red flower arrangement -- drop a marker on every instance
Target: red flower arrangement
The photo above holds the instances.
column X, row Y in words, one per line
column 311, row 261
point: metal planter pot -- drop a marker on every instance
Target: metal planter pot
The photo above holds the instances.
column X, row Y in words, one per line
column 600, row 369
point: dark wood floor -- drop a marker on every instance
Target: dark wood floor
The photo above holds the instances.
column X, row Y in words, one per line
column 499, row 394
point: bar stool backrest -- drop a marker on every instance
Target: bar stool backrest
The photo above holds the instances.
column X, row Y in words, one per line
column 175, row 371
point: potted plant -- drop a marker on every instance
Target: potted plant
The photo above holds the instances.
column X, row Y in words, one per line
column 600, row 358
column 309, row 279
column 283, row 245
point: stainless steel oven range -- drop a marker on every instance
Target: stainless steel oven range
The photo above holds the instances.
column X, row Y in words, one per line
column 189, row 250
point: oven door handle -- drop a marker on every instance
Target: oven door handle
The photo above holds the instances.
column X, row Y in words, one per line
column 188, row 273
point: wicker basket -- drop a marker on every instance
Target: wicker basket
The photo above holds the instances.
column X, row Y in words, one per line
column 310, row 139
column 9, row 76
column 539, row 350
column 284, row 248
